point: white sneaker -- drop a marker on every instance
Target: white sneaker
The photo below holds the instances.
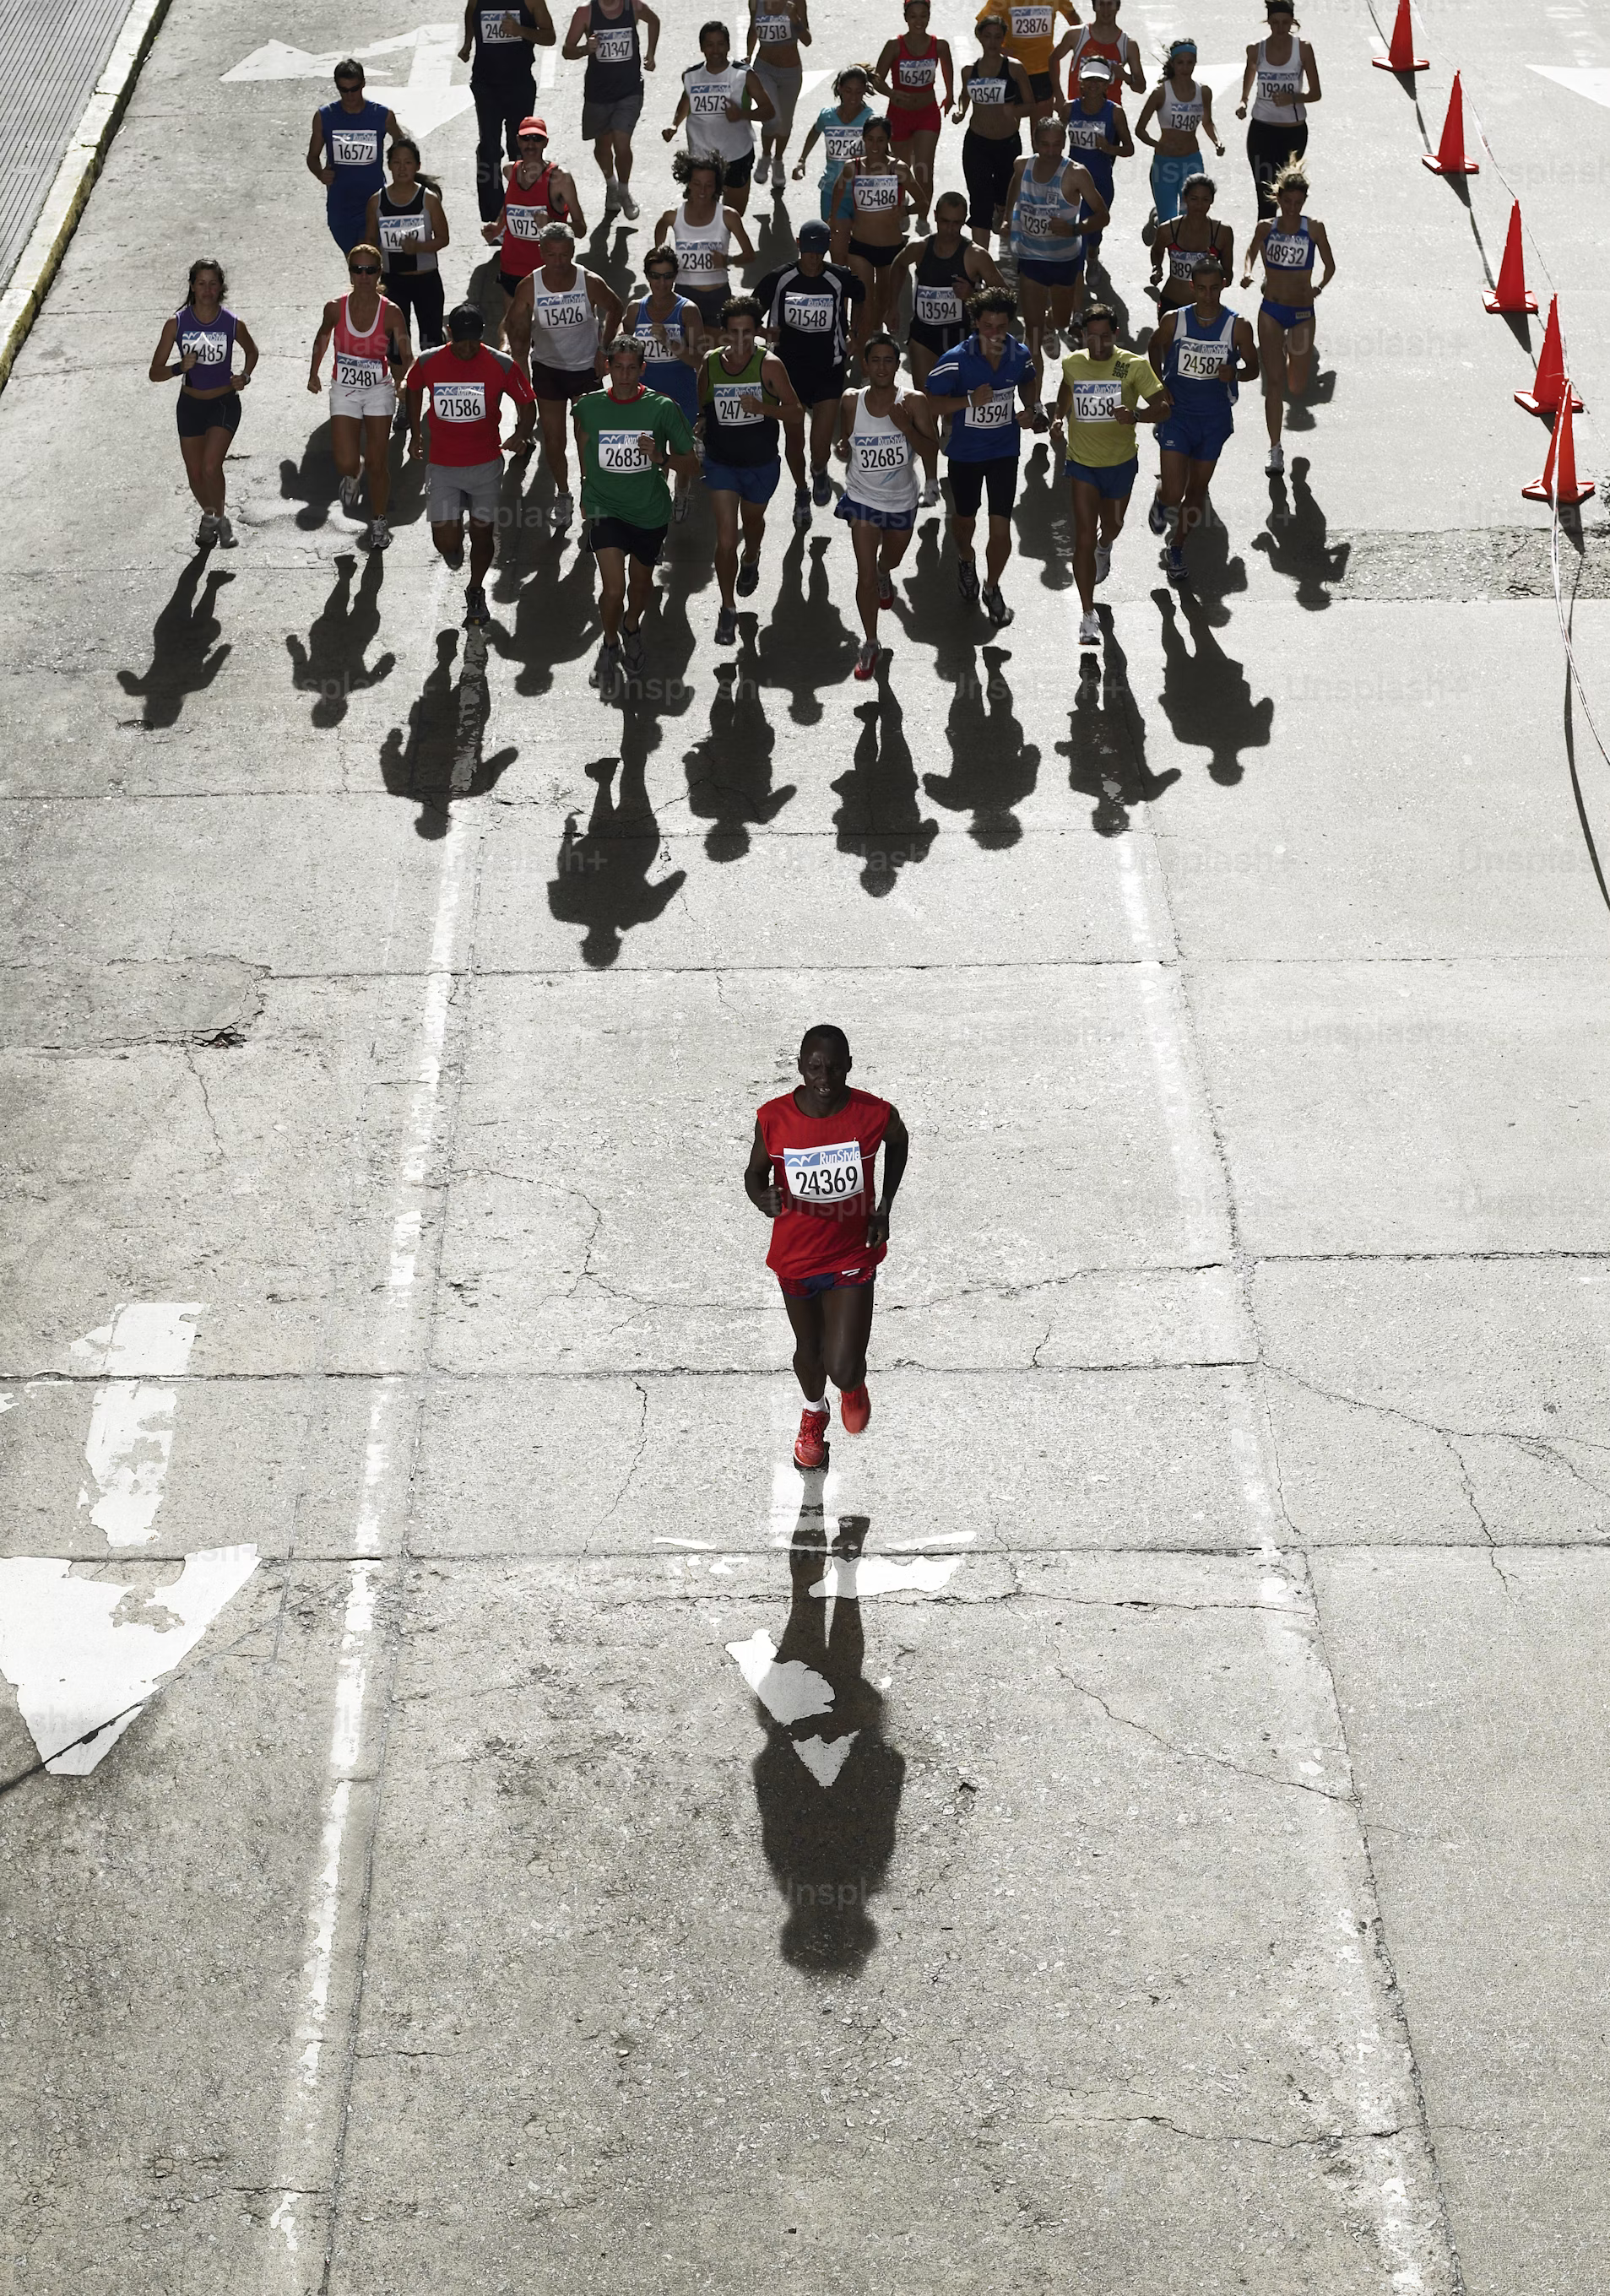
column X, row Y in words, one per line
column 1104, row 561
column 629, row 206
column 1275, row 467
column 929, row 495
column 1089, row 629
column 226, row 535
column 563, row 513
column 380, row 534
column 611, row 196
column 349, row 491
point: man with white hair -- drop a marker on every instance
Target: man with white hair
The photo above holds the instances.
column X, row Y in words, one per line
column 558, row 323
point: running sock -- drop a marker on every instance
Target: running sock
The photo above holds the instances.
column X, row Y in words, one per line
column 820, row 1404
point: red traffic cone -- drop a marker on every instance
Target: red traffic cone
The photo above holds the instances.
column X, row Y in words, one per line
column 1511, row 293
column 1400, row 56
column 1559, row 482
column 1450, row 158
column 1544, row 396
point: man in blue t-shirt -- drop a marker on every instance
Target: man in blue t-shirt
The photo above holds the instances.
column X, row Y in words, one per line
column 979, row 384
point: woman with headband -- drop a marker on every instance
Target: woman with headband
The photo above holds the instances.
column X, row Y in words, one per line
column 1183, row 108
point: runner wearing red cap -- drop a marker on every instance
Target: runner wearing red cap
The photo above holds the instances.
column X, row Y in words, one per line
column 535, row 194
column 811, row 1173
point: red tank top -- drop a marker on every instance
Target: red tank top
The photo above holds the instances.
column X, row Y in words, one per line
column 823, row 1164
column 1113, row 50
column 529, row 209
column 361, row 360
column 914, row 74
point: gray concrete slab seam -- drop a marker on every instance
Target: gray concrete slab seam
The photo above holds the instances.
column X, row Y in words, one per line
column 35, row 267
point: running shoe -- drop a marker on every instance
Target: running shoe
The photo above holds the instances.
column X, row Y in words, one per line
column 1174, row 563
column 208, row 530
column 454, row 564
column 611, row 197
column 810, row 1449
column 606, row 668
column 631, row 653
column 476, row 612
column 802, row 507
column 1157, row 517
column 1104, row 561
column 562, row 514
column 226, row 535
column 966, row 580
column 1089, row 628
column 748, row 578
column 727, row 626
column 380, row 534
column 683, row 503
column 1275, row 468
column 929, row 495
column 349, row 492
column 629, row 206
column 867, row 660
column 855, row 1409
column 995, row 606
column 885, row 586
column 821, row 487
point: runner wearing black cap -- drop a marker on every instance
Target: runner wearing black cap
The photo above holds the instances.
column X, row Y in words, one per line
column 467, row 384
column 810, row 317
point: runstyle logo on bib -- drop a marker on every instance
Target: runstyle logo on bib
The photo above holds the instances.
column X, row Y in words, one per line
column 830, row 1175
column 458, row 402
column 997, row 414
column 621, row 451
column 1096, row 402
column 358, row 373
column 808, row 314
column 729, row 398
column 354, row 147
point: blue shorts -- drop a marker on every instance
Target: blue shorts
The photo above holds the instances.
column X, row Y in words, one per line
column 838, row 206
column 751, row 482
column 1051, row 274
column 895, row 521
column 1169, row 172
column 675, row 380
column 1286, row 315
column 1201, row 437
column 1114, row 482
column 810, row 1287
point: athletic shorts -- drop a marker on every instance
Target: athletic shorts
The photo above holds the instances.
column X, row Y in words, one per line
column 879, row 257
column 838, row 205
column 738, row 172
column 751, row 482
column 198, row 417
column 904, row 125
column 782, row 83
column 893, row 521
column 455, row 488
column 1286, row 315
column 814, row 382
column 968, row 481
column 937, row 340
column 644, row 542
column 509, row 281
column 1050, row 274
column 617, row 119
column 566, row 382
column 707, row 300
column 838, row 1279
column 363, row 400
column 1113, row 481
column 987, row 165
column 1042, row 87
column 1202, row 437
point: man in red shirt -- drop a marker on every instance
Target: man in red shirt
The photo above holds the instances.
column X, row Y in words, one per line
column 810, row 1172
column 467, row 384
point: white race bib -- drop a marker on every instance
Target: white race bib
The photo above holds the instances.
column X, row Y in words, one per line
column 774, row 31
column 879, row 452
column 458, row 402
column 526, row 221
column 1182, row 262
column 401, row 232
column 1031, row 24
column 985, row 93
column 841, row 143
column 355, row 147
column 1285, row 252
column 1202, row 362
column 1033, row 222
column 997, row 415
column 938, row 307
column 1084, row 133
column 730, row 409
column 876, row 194
column 1096, row 402
column 653, row 347
column 357, row 374
column 614, row 47
column 825, row 1176
column 211, row 347
column 620, row 452
column 701, row 258
column 707, row 102
column 917, row 72
column 492, row 34
column 555, row 311
column 808, row 314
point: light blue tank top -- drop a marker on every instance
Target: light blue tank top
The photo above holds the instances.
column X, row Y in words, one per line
column 1039, row 207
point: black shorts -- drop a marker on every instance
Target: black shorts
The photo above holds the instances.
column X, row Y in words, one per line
column 644, row 542
column 987, row 165
column 968, row 481
column 1042, row 87
column 878, row 256
column 812, row 380
column 198, row 417
column 937, row 340
column 739, row 172
column 563, row 381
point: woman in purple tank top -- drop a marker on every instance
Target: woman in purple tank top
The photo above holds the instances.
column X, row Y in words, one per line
column 205, row 334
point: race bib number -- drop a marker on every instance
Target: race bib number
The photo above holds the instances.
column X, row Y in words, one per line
column 1084, row 133
column 917, row 72
column 458, row 402
column 938, row 307
column 210, row 346
column 620, row 453
column 653, row 347
column 1031, row 24
column 707, row 102
column 825, row 1176
column 1202, row 362
column 614, row 47
column 1282, row 253
column 774, row 31
column 699, row 258
column 880, row 452
column 842, row 144
column 986, row 93
column 1096, row 402
column 555, row 311
column 876, row 194
column 355, row 147
column 1181, row 262
column 525, row 222
column 401, row 232
column 492, row 34
column 357, row 374
column 997, row 415
column 1034, row 222
column 731, row 413
column 808, row 314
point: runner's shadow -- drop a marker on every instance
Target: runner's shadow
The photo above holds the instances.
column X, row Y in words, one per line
column 602, row 881
column 1206, row 696
column 805, row 628
column 435, row 761
column 827, row 1783
column 331, row 665
column 992, row 770
column 609, row 253
column 1106, row 744
column 879, row 818
column 730, row 771
column 1214, row 575
column 554, row 614
column 315, row 481
column 1044, row 519
column 184, row 657
column 1294, row 540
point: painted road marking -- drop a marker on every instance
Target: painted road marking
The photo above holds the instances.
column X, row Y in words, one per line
column 85, row 1654
column 426, row 102
column 1592, row 81
column 130, row 1434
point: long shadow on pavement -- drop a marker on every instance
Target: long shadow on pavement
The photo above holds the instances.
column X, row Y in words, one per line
column 184, row 655
column 880, row 818
column 1106, row 744
column 1294, row 540
column 730, row 771
column 332, row 666
column 435, row 761
column 1205, row 694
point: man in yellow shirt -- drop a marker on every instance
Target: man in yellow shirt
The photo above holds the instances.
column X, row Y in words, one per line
column 1030, row 30
column 1105, row 393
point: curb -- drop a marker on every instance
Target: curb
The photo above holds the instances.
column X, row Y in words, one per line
column 86, row 149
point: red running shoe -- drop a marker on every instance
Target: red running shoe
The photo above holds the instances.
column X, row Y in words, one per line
column 855, row 1408
column 810, row 1450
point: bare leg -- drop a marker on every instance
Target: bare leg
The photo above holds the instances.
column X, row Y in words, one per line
column 377, row 462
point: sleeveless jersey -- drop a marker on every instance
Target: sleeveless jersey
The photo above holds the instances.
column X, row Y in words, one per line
column 709, row 132
column 823, row 1167
column 1182, row 260
column 361, row 359
column 841, row 141
column 353, row 140
column 1085, row 131
column 1181, row 114
column 1272, row 76
column 732, row 434
column 913, row 75
column 1198, row 367
column 939, row 288
column 502, row 59
column 565, row 325
column 700, row 247
column 614, row 64
column 1039, row 207
column 1289, row 251
column 529, row 209
column 882, row 473
column 403, row 223
column 1113, row 49
column 213, row 342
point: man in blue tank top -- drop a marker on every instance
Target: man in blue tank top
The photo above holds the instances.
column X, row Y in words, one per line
column 346, row 152
column 501, row 34
column 1203, row 352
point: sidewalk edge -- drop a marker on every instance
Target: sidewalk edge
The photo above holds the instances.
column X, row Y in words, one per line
column 87, row 149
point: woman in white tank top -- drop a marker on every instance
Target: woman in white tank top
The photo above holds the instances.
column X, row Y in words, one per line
column 1182, row 107
column 1283, row 68
column 703, row 231
column 883, row 430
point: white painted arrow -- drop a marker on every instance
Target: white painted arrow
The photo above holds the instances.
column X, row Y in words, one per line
column 1592, row 81
column 84, row 1654
column 428, row 101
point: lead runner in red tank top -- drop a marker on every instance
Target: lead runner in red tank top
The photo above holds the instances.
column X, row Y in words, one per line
column 908, row 72
column 811, row 1173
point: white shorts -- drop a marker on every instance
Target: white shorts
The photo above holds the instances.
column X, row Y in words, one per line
column 363, row 399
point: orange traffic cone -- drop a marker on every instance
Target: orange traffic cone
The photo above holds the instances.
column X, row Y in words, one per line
column 1544, row 396
column 1511, row 293
column 1449, row 159
column 1400, row 56
column 1559, row 482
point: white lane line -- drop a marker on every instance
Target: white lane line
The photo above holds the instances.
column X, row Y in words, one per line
column 550, row 67
column 131, row 1437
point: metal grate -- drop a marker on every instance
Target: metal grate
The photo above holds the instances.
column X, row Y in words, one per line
column 50, row 60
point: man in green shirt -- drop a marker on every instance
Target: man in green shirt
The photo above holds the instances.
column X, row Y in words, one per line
column 1105, row 393
column 627, row 437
